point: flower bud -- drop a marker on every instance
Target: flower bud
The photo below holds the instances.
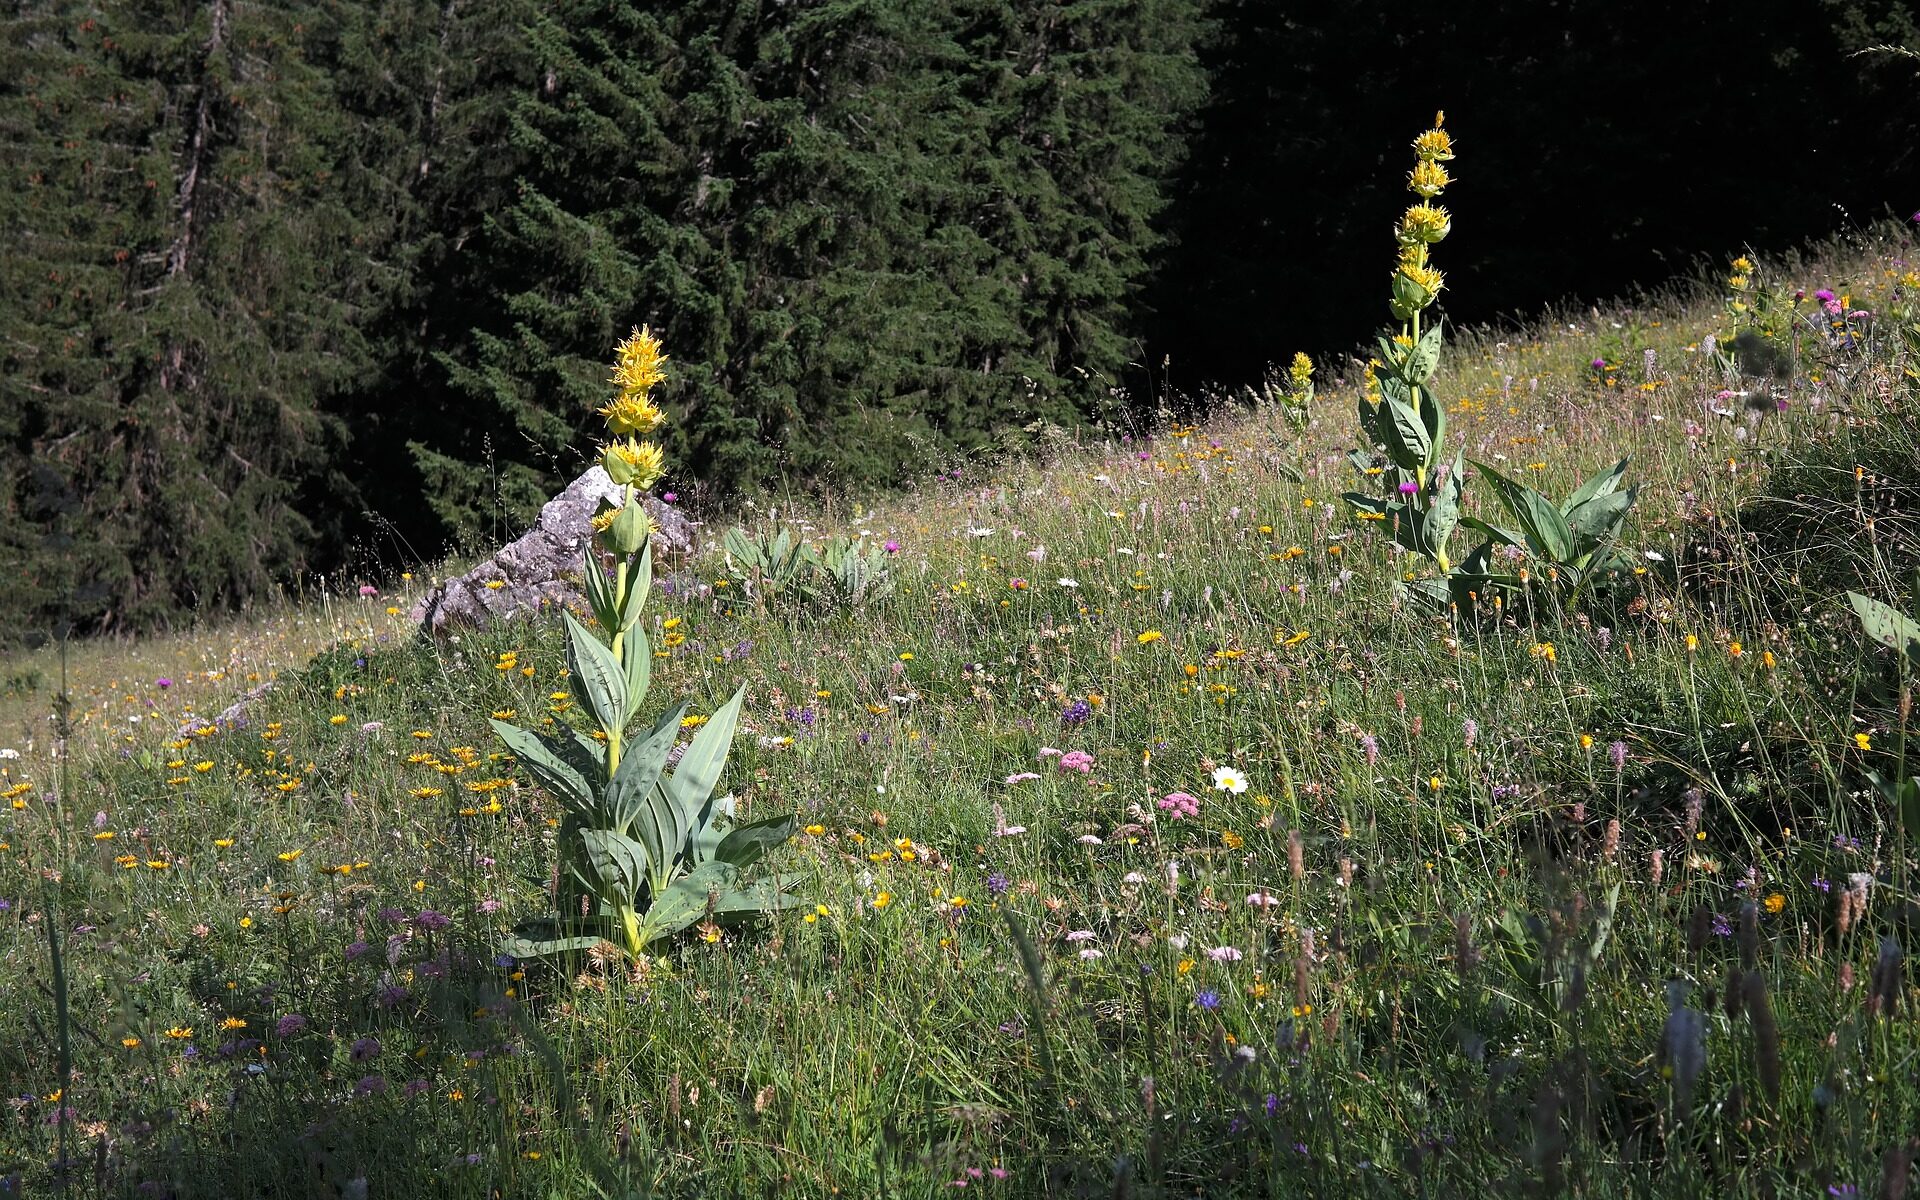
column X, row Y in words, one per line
column 629, row 529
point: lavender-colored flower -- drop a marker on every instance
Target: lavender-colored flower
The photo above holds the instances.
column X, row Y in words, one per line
column 1208, row 999
column 391, row 915
column 1721, row 927
column 364, row 1049
column 997, row 884
column 290, row 1025
column 356, row 950
column 370, row 1085
column 1371, row 745
column 390, row 996
column 432, row 921
column 418, row 1087
column 1076, row 713
column 1617, row 754
column 1469, row 732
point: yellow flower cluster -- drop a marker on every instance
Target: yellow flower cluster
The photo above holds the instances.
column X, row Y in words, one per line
column 638, row 366
column 634, row 464
column 1415, row 282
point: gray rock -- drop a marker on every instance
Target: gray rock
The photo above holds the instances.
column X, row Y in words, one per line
column 539, row 571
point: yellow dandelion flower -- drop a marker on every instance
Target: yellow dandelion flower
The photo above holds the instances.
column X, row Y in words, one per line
column 1863, row 741
column 1149, row 637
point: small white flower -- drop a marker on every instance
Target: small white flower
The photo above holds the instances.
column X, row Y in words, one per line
column 1087, row 839
column 1069, row 583
column 1655, row 556
column 1177, row 940
column 1081, row 935
column 1262, row 900
column 1133, row 877
column 973, row 531
column 9, row 752
column 1227, row 779
column 1089, row 954
column 1010, row 831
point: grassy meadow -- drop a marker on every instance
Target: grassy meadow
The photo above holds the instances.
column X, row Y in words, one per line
column 1149, row 847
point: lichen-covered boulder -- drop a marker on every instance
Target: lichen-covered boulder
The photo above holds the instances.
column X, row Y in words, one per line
column 540, row 569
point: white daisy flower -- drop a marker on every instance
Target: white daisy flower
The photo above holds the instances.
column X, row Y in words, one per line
column 1227, row 779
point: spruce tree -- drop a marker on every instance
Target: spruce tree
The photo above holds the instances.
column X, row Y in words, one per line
column 181, row 289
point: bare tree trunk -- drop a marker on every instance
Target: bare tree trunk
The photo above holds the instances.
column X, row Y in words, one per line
column 198, row 146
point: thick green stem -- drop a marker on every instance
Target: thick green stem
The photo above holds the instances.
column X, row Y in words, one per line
column 619, row 641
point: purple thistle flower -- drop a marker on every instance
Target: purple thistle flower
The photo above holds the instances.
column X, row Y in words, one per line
column 289, row 1025
column 1208, row 999
column 431, row 920
column 364, row 1050
column 1076, row 713
column 1409, row 488
column 371, row 1085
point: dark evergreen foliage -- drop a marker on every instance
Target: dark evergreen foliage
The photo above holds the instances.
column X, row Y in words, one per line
column 327, row 284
